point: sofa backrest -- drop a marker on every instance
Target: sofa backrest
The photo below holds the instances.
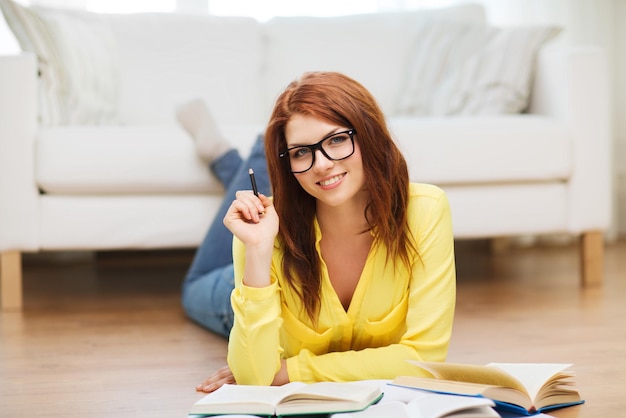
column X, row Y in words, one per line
column 137, row 68
column 239, row 66
column 166, row 59
column 375, row 49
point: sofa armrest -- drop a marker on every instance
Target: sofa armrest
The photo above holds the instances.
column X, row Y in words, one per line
column 571, row 85
column 19, row 215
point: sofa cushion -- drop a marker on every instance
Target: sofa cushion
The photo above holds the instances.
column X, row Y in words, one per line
column 124, row 221
column 127, row 160
column 162, row 159
column 136, row 68
column 461, row 68
column 167, row 59
column 485, row 150
column 353, row 45
column 78, row 63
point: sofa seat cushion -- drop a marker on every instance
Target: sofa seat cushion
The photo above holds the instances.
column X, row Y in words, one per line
column 162, row 159
column 484, row 150
column 127, row 160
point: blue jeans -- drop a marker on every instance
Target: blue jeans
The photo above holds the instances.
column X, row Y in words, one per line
column 210, row 279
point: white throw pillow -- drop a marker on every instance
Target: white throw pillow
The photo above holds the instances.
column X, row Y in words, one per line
column 372, row 48
column 472, row 69
column 77, row 58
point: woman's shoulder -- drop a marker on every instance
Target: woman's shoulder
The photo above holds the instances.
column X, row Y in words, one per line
column 427, row 198
column 425, row 191
column 427, row 203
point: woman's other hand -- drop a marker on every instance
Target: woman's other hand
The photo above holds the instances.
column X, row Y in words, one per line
column 282, row 376
column 218, row 379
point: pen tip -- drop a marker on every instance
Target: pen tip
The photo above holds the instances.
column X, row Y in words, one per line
column 250, row 171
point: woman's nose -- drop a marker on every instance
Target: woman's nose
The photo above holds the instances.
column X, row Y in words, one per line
column 322, row 163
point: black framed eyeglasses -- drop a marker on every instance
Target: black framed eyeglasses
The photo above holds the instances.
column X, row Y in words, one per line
column 335, row 147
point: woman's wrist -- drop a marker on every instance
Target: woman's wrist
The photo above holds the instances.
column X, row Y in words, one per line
column 258, row 264
column 282, row 377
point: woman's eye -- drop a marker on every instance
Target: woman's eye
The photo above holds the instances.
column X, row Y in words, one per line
column 339, row 139
column 300, row 153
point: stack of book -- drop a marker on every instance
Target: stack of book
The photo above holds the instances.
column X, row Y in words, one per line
column 454, row 391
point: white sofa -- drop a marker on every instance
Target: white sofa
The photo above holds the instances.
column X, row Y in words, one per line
column 91, row 157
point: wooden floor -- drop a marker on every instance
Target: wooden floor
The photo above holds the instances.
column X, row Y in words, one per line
column 104, row 336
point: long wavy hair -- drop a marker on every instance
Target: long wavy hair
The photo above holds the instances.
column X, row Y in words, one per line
column 336, row 98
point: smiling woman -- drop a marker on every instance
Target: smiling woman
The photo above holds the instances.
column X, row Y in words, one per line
column 347, row 271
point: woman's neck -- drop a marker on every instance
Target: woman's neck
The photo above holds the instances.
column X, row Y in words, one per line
column 348, row 220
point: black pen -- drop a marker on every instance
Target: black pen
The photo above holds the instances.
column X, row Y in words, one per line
column 253, row 181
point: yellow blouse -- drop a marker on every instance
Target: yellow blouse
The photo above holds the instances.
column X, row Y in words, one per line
column 396, row 314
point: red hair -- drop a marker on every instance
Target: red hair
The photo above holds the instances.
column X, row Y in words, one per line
column 338, row 99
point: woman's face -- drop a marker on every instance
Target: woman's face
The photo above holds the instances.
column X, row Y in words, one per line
column 333, row 183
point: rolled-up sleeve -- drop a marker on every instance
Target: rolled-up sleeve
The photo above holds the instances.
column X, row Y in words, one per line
column 254, row 350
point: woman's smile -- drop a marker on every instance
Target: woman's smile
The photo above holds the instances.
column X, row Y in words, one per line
column 331, row 182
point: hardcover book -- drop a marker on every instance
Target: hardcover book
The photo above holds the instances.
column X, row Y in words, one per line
column 294, row 398
column 525, row 388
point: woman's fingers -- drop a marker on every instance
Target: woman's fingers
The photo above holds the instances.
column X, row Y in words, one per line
column 253, row 220
column 219, row 378
column 249, row 205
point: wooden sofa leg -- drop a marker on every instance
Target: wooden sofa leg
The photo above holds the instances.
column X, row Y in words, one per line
column 11, row 280
column 592, row 258
column 499, row 245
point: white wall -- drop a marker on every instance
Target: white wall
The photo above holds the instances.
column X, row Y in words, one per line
column 620, row 109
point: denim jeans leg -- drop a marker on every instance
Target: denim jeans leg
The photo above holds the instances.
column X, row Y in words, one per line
column 232, row 171
column 216, row 249
column 207, row 300
column 225, row 168
column 210, row 279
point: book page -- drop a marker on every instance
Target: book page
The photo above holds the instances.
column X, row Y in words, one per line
column 244, row 399
column 438, row 405
column 271, row 395
column 532, row 375
column 328, row 397
column 401, row 402
column 486, row 375
column 350, row 391
column 395, row 409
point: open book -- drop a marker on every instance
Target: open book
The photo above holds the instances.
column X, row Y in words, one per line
column 519, row 387
column 400, row 402
column 294, row 398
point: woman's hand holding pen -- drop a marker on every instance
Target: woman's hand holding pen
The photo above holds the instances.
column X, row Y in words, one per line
column 254, row 221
